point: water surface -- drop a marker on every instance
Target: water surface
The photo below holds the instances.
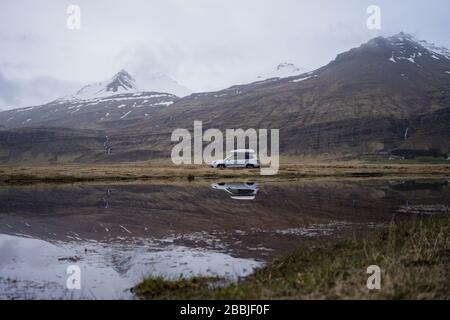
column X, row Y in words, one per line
column 117, row 234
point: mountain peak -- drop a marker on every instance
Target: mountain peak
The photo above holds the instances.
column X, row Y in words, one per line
column 401, row 47
column 123, row 74
column 403, row 36
column 122, row 81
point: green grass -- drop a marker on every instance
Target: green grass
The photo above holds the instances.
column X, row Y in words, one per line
column 158, row 287
column 414, row 257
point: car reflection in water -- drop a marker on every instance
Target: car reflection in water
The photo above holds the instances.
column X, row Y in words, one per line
column 238, row 190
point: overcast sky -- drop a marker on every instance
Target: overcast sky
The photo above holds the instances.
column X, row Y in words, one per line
column 203, row 44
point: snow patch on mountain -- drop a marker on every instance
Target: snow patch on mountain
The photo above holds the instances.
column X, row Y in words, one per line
column 125, row 114
column 304, row 79
column 284, row 70
column 392, row 59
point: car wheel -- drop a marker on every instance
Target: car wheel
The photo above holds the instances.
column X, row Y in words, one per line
column 221, row 166
column 250, row 166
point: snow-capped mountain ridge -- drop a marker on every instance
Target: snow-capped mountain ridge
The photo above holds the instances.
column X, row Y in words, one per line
column 408, row 47
column 433, row 48
column 405, row 37
column 122, row 82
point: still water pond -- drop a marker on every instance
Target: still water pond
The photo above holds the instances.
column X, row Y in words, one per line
column 117, row 234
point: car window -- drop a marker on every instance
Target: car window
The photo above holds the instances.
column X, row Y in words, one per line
column 249, row 156
column 241, row 156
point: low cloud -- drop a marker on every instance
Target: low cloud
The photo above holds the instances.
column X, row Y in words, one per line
column 203, row 44
column 16, row 93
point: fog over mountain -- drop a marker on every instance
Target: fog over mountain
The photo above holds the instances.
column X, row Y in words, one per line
column 15, row 93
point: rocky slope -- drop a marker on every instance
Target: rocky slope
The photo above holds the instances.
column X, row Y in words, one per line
column 388, row 94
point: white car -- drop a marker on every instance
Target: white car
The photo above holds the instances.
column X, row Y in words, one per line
column 245, row 158
column 238, row 191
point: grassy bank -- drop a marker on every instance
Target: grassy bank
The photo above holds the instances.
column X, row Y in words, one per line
column 414, row 257
column 163, row 170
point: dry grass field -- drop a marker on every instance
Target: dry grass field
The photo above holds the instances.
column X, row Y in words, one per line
column 290, row 168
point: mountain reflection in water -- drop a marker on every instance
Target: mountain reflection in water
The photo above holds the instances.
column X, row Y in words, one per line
column 120, row 233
